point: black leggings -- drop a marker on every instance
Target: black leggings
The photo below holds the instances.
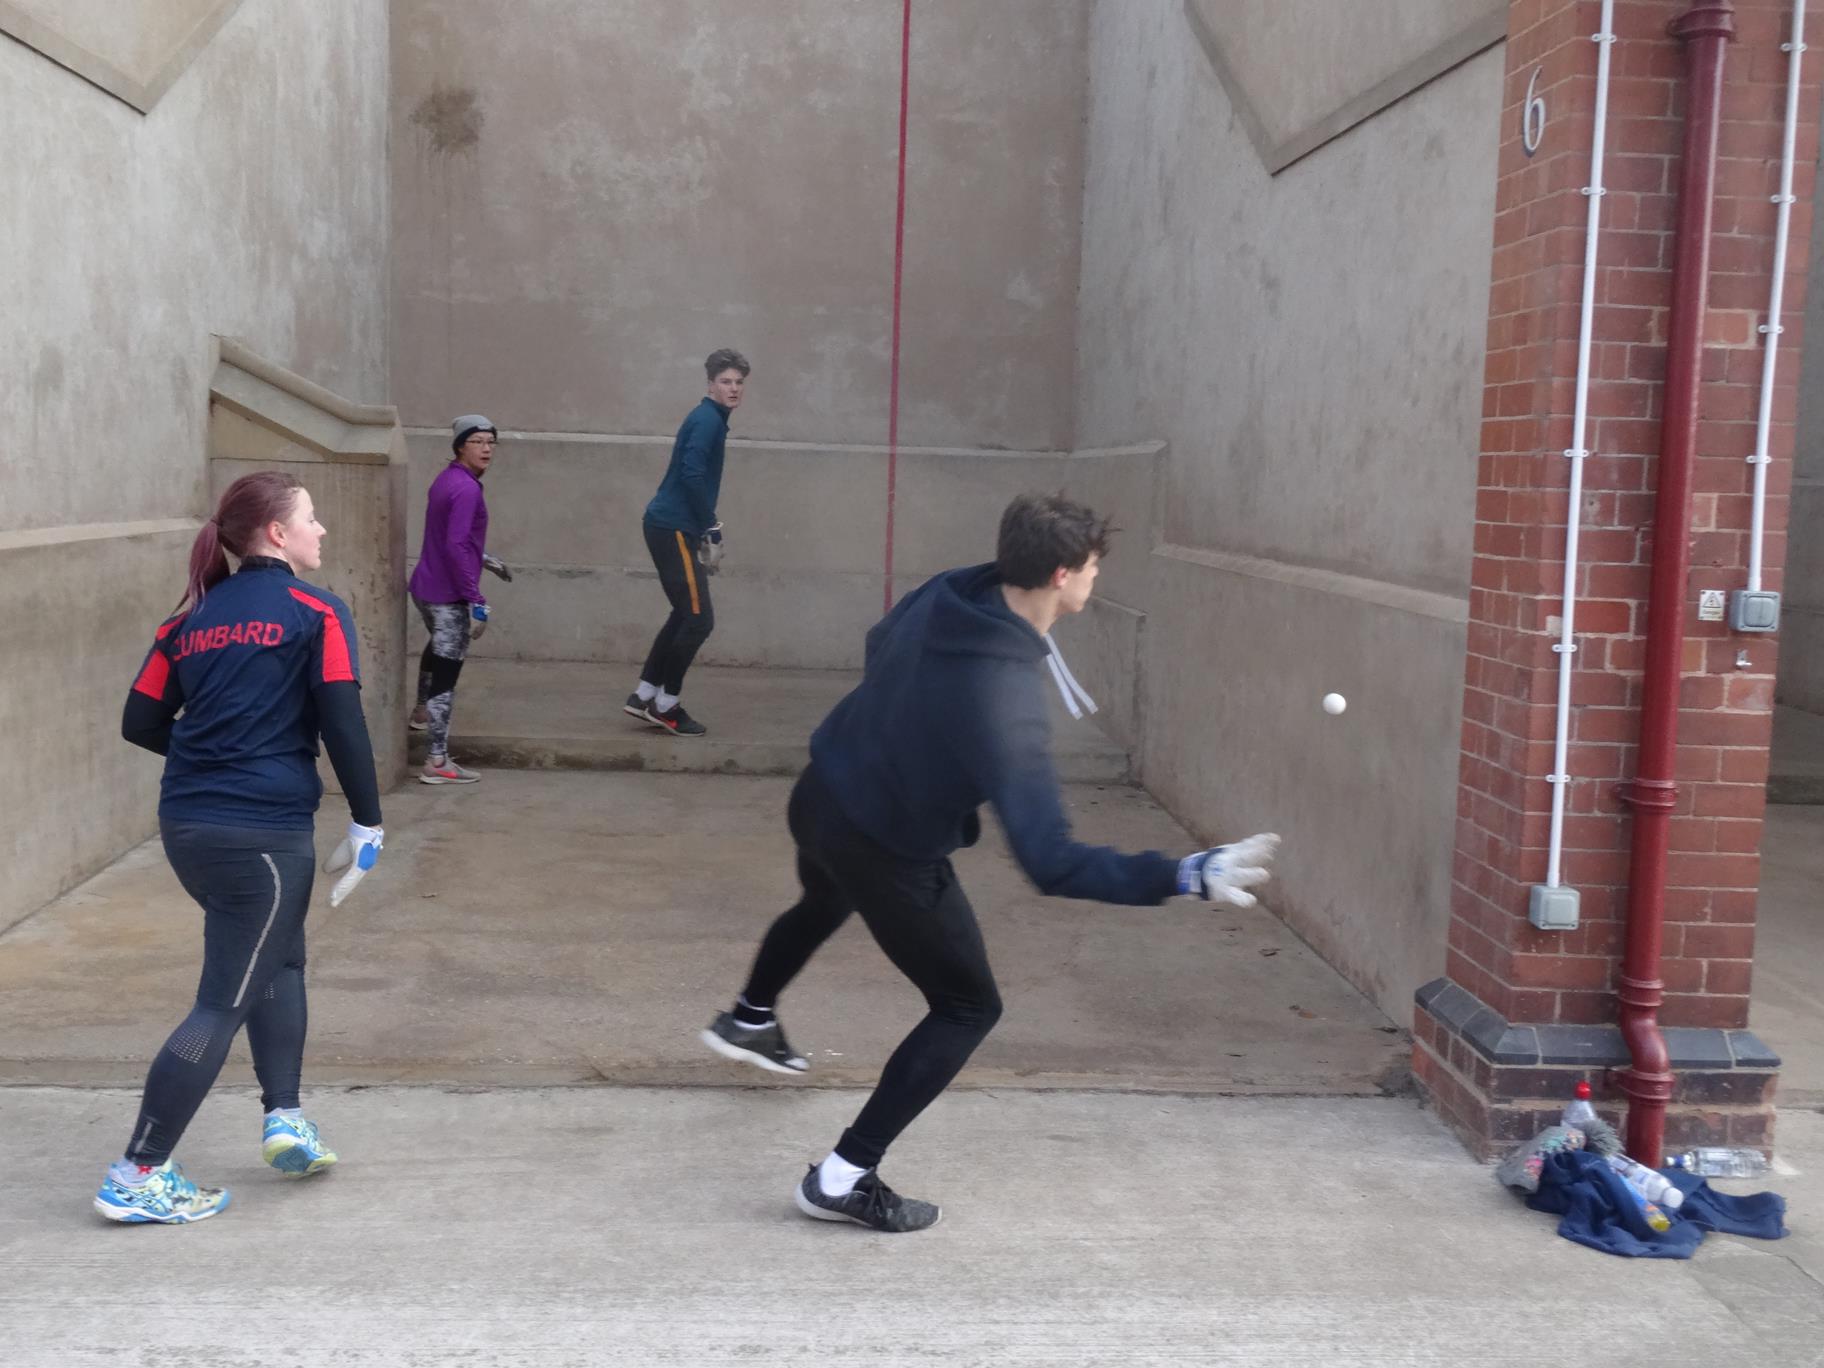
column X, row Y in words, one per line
column 921, row 919
column 692, row 618
column 254, row 887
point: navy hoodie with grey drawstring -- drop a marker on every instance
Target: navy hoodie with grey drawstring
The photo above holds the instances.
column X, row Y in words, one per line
column 951, row 713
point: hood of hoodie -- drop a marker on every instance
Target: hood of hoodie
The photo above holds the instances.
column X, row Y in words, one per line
column 969, row 616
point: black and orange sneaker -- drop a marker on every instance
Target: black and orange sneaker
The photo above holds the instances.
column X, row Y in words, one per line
column 675, row 720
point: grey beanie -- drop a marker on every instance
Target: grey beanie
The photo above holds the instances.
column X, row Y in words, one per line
column 467, row 426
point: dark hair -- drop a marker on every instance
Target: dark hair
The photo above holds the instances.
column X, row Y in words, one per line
column 725, row 358
column 1041, row 533
column 246, row 506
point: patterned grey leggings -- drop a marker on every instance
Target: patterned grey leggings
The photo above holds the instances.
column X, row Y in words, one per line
column 440, row 665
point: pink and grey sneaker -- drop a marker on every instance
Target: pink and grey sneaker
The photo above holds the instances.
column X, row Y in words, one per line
column 446, row 771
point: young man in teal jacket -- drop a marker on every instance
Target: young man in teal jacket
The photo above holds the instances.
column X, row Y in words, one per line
column 680, row 517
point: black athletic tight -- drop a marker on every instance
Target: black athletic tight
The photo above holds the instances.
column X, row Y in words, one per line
column 922, row 921
column 254, row 887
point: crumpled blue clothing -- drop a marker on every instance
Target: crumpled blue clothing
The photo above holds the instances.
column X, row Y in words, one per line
column 1599, row 1210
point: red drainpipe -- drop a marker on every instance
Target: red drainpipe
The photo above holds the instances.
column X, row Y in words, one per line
column 1705, row 30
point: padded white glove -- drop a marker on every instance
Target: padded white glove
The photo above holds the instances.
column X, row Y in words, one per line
column 709, row 548
column 1224, row 873
column 357, row 852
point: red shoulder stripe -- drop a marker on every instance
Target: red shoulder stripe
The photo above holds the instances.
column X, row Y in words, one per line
column 157, row 672
column 337, row 667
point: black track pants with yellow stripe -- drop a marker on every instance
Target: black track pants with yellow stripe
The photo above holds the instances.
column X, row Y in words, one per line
column 692, row 619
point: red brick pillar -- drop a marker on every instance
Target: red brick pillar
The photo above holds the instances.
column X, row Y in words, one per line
column 1522, row 1013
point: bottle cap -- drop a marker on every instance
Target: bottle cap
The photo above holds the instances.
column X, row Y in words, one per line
column 1583, row 1090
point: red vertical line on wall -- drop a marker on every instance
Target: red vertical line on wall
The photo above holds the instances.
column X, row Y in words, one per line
column 899, row 267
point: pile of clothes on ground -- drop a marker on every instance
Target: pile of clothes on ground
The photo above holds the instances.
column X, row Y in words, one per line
column 1580, row 1174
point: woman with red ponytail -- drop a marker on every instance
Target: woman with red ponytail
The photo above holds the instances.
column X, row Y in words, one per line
column 240, row 685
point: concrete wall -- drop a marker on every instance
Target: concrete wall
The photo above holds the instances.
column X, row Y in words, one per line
column 803, row 578
column 1801, row 667
column 1310, row 346
column 251, row 200
column 590, row 197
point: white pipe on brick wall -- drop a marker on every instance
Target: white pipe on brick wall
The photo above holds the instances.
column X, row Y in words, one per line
column 1566, row 646
column 1772, row 328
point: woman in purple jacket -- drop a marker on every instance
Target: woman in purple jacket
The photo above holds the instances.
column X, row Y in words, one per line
column 446, row 587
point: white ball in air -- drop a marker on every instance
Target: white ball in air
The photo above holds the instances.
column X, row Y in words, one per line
column 1334, row 703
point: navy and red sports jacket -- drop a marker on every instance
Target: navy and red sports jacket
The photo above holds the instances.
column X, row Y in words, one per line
column 235, row 692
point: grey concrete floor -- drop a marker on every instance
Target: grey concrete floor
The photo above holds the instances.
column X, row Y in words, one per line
column 583, row 927
column 589, row 1226
column 1788, row 999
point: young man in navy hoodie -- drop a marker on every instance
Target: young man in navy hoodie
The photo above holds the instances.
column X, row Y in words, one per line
column 951, row 712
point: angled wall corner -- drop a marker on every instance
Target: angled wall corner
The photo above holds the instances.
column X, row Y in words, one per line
column 1299, row 73
column 133, row 49
column 352, row 459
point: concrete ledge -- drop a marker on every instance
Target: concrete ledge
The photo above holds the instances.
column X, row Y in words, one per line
column 1280, row 146
column 142, row 88
column 806, row 571
column 567, row 716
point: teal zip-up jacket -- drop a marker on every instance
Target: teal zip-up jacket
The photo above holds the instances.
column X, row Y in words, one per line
column 686, row 501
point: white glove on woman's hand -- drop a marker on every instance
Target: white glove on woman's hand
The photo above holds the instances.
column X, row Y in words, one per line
column 357, row 852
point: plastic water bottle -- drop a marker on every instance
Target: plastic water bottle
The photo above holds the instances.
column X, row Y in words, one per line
column 1652, row 1185
column 1720, row 1162
column 1580, row 1112
column 1656, row 1219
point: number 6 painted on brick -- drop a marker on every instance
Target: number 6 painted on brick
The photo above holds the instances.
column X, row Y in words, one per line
column 1532, row 118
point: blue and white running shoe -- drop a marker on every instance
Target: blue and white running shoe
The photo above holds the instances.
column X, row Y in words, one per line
column 165, row 1198
column 291, row 1145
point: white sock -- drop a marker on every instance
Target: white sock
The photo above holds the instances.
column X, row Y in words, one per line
column 667, row 701
column 293, row 1113
column 646, row 692
column 128, row 1172
column 837, row 1176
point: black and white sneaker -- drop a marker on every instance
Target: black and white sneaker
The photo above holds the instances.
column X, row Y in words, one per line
column 674, row 719
column 762, row 1045
column 871, row 1203
column 635, row 706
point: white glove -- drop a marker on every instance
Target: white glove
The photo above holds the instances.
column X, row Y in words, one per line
column 357, row 852
column 710, row 548
column 1225, row 873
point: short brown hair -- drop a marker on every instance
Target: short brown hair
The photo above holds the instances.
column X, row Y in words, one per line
column 725, row 358
column 1041, row 533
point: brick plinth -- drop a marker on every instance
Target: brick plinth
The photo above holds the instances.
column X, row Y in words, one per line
column 1527, row 978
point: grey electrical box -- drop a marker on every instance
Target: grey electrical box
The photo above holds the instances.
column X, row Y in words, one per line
column 1552, row 909
column 1754, row 610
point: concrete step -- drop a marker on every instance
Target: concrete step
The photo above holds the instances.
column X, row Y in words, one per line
column 567, row 716
column 1796, row 773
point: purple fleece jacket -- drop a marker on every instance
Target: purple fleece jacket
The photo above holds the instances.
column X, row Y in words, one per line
column 455, row 533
